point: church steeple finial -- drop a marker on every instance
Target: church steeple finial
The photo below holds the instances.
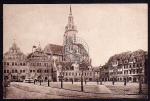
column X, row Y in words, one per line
column 39, row 44
column 70, row 10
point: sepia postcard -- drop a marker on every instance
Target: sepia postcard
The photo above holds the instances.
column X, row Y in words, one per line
column 75, row 51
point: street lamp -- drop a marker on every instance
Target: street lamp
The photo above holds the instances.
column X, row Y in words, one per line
column 61, row 76
column 61, row 80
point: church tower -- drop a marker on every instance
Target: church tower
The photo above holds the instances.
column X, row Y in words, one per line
column 70, row 30
column 69, row 38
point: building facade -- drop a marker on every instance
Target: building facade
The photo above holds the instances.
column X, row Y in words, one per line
column 128, row 66
column 14, row 64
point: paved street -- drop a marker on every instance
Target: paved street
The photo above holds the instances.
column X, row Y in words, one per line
column 20, row 90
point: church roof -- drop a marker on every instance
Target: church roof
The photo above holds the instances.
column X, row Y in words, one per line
column 54, row 49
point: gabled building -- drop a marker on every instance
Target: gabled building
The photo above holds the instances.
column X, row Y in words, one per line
column 14, row 64
column 39, row 65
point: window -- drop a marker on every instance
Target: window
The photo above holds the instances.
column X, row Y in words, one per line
column 20, row 71
column 7, row 63
column 31, row 71
column 21, row 64
column 37, row 71
column 23, row 77
column 15, row 71
column 15, row 63
column 12, row 71
column 14, row 77
column 4, row 71
column 137, row 71
column 12, row 63
column 66, row 74
column 126, row 72
column 23, row 71
column 4, row 63
column 24, row 64
column 7, row 71
column 72, row 74
column 45, row 64
column 133, row 71
column 140, row 64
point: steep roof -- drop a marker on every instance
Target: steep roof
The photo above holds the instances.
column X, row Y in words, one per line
column 126, row 55
column 52, row 48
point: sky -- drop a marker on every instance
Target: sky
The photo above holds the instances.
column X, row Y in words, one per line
column 108, row 29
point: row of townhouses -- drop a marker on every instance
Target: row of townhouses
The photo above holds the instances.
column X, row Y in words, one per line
column 130, row 66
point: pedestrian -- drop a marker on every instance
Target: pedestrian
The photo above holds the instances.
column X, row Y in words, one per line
column 125, row 82
column 113, row 82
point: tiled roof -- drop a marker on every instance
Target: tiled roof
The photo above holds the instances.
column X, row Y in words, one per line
column 96, row 68
column 126, row 55
column 55, row 49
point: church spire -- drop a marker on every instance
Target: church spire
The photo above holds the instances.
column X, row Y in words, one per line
column 70, row 10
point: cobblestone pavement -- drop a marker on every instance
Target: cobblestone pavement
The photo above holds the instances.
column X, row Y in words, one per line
column 31, row 91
